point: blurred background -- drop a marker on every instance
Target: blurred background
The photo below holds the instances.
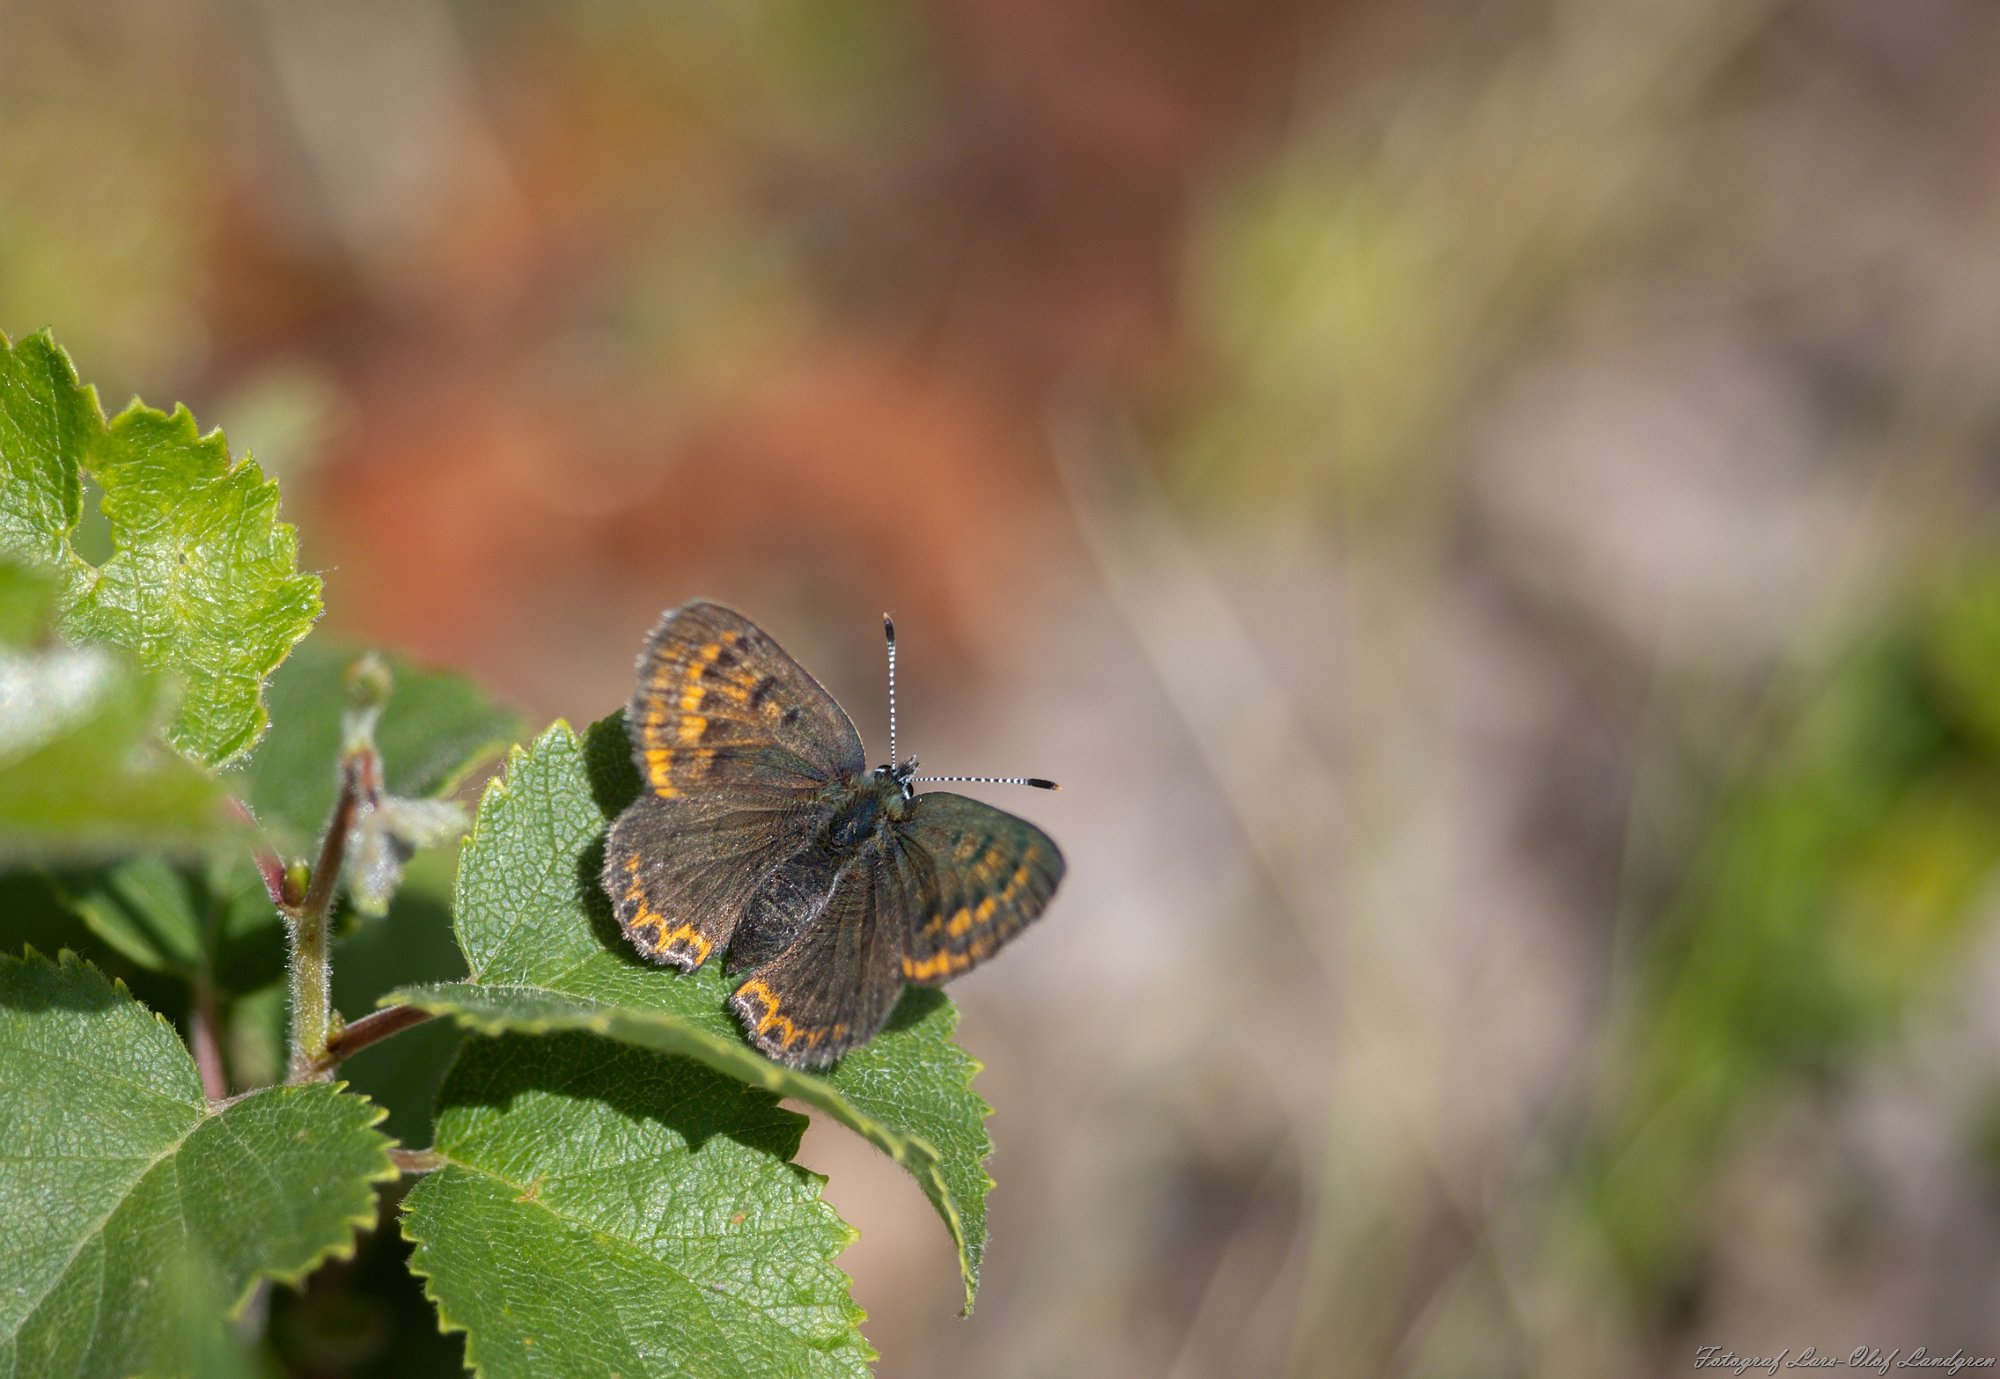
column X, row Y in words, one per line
column 1487, row 510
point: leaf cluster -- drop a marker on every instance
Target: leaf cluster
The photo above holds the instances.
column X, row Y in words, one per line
column 610, row 1183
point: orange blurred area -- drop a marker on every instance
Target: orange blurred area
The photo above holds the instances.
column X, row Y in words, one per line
column 1456, row 494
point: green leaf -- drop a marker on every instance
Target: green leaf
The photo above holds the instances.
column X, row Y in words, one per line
column 545, row 955
column 27, row 603
column 149, row 911
column 47, row 423
column 213, row 921
column 119, row 1173
column 34, row 913
column 202, row 582
column 435, row 730
column 611, row 1211
column 81, row 772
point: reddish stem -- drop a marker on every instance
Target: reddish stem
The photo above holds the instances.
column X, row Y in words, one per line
column 269, row 865
column 207, row 1040
column 372, row 1028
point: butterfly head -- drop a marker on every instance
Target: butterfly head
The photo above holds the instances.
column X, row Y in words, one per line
column 900, row 776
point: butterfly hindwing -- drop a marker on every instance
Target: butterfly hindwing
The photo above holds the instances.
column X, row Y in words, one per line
column 682, row 872
column 792, row 898
column 832, row 989
column 983, row 876
column 719, row 706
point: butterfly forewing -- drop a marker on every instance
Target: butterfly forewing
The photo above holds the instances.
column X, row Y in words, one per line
column 719, row 706
column 983, row 876
column 734, row 741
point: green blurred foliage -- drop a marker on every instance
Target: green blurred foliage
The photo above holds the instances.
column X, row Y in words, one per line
column 83, row 771
column 1836, row 886
column 435, row 731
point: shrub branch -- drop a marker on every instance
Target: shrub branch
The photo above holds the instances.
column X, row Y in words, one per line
column 306, row 931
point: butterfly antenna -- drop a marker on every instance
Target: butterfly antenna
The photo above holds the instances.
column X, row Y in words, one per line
column 1035, row 781
column 889, row 635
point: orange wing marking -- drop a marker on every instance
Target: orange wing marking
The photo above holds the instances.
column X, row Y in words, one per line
column 644, row 916
column 691, row 686
column 940, row 964
column 770, row 1019
column 659, row 768
column 698, row 947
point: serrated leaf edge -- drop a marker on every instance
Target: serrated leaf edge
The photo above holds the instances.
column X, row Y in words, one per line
column 183, row 420
column 214, row 444
column 66, row 376
column 447, row 1323
column 68, row 958
column 492, row 750
column 357, row 1222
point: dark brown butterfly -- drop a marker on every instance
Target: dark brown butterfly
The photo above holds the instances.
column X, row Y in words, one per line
column 763, row 834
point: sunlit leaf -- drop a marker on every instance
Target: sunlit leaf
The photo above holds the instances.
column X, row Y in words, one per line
column 120, row 1176
column 605, row 1210
column 202, row 583
column 545, row 956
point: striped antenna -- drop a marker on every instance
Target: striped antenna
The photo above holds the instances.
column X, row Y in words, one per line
column 889, row 634
column 1035, row 781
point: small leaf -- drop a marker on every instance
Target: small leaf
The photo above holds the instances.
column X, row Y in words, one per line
column 119, row 1172
column 81, row 771
column 47, row 422
column 545, row 955
column 148, row 910
column 611, row 1211
column 435, row 729
column 202, row 582
column 212, row 921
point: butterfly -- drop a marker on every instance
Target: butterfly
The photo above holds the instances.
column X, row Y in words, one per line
column 763, row 834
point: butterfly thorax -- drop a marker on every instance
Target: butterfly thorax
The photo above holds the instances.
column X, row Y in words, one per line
column 866, row 802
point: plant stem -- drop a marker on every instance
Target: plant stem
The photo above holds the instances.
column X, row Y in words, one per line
column 306, row 936
column 207, row 1040
column 417, row 1160
column 371, row 1029
column 312, row 994
column 270, row 866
